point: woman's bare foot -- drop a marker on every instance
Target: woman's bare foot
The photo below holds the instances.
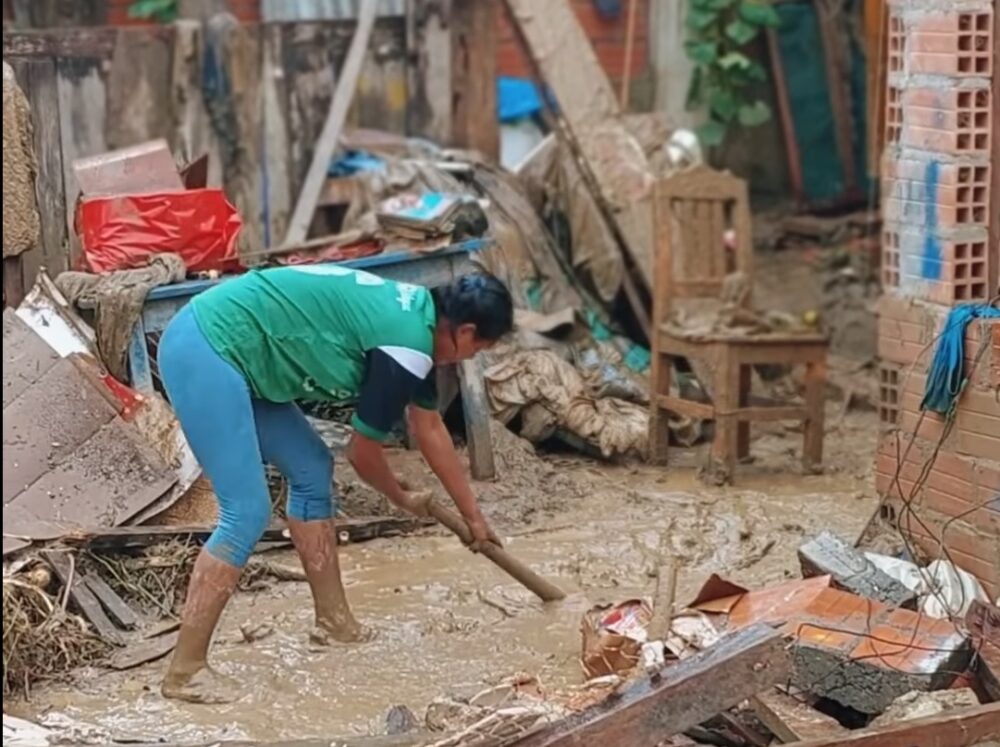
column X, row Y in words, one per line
column 204, row 686
column 343, row 628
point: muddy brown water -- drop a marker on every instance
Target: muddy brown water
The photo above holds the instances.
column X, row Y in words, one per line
column 450, row 622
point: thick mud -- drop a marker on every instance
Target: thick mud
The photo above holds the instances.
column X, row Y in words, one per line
column 450, row 622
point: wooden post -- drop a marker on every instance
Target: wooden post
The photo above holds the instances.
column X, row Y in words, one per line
column 684, row 694
column 476, row 409
column 473, row 41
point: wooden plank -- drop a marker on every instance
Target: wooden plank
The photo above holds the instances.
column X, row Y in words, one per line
column 683, row 695
column 191, row 136
column 82, row 119
column 476, row 409
column 305, row 204
column 64, row 566
column 118, row 538
column 560, row 47
column 37, row 78
column 611, row 162
column 78, row 42
column 831, row 17
column 114, row 605
column 783, row 100
column 276, row 155
column 429, row 76
column 964, row 728
column 143, row 652
column 473, row 42
column 236, row 120
column 139, row 79
column 791, row 720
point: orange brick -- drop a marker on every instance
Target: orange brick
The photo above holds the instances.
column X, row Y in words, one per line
column 909, row 642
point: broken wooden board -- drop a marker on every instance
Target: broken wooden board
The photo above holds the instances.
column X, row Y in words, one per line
column 73, row 580
column 790, row 719
column 116, row 607
column 143, row 651
column 359, row 529
column 974, row 726
column 683, row 695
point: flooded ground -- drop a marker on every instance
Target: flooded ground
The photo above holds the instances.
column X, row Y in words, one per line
column 449, row 622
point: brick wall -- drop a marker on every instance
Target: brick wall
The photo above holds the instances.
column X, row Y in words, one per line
column 936, row 253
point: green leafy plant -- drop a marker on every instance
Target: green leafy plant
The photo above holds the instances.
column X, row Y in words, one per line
column 717, row 34
column 162, row 11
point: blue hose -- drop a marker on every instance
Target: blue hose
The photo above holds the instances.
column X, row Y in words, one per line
column 946, row 377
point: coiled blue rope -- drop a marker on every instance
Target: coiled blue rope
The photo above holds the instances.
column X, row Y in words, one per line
column 944, row 382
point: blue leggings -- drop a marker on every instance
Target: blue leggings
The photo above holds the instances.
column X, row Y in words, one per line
column 233, row 434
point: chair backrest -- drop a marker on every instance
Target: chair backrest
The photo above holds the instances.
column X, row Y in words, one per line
column 703, row 233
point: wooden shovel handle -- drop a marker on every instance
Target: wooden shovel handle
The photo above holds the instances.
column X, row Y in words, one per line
column 543, row 589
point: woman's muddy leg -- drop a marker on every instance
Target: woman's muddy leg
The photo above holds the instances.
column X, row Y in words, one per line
column 290, row 443
column 189, row 676
column 316, row 542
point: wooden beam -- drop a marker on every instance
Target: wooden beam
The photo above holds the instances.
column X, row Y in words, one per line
column 473, row 99
column 684, row 694
column 791, row 720
column 964, row 728
column 347, row 82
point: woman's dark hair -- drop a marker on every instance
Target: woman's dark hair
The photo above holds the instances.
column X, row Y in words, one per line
column 481, row 300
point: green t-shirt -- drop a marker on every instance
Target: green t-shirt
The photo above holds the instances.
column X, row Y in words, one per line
column 325, row 332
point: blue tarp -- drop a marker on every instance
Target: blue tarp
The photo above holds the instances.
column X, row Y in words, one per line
column 517, row 98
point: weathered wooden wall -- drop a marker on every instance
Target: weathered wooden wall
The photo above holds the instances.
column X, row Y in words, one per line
column 93, row 89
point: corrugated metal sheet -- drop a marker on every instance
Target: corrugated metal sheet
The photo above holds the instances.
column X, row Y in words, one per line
column 323, row 10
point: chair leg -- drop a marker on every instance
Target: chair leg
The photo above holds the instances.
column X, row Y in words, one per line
column 659, row 419
column 815, row 386
column 727, row 402
column 743, row 429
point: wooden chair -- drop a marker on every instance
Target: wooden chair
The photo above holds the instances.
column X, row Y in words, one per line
column 693, row 212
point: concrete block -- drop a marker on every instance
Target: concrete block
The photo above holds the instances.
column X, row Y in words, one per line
column 827, row 554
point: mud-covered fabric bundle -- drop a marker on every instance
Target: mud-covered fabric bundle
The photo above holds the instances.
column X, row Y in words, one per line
column 550, row 395
column 118, row 298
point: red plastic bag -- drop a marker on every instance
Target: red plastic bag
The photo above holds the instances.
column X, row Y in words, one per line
column 120, row 233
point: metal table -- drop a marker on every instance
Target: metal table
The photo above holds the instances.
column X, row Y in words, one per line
column 428, row 269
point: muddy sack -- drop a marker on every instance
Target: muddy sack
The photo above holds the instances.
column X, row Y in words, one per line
column 613, row 636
